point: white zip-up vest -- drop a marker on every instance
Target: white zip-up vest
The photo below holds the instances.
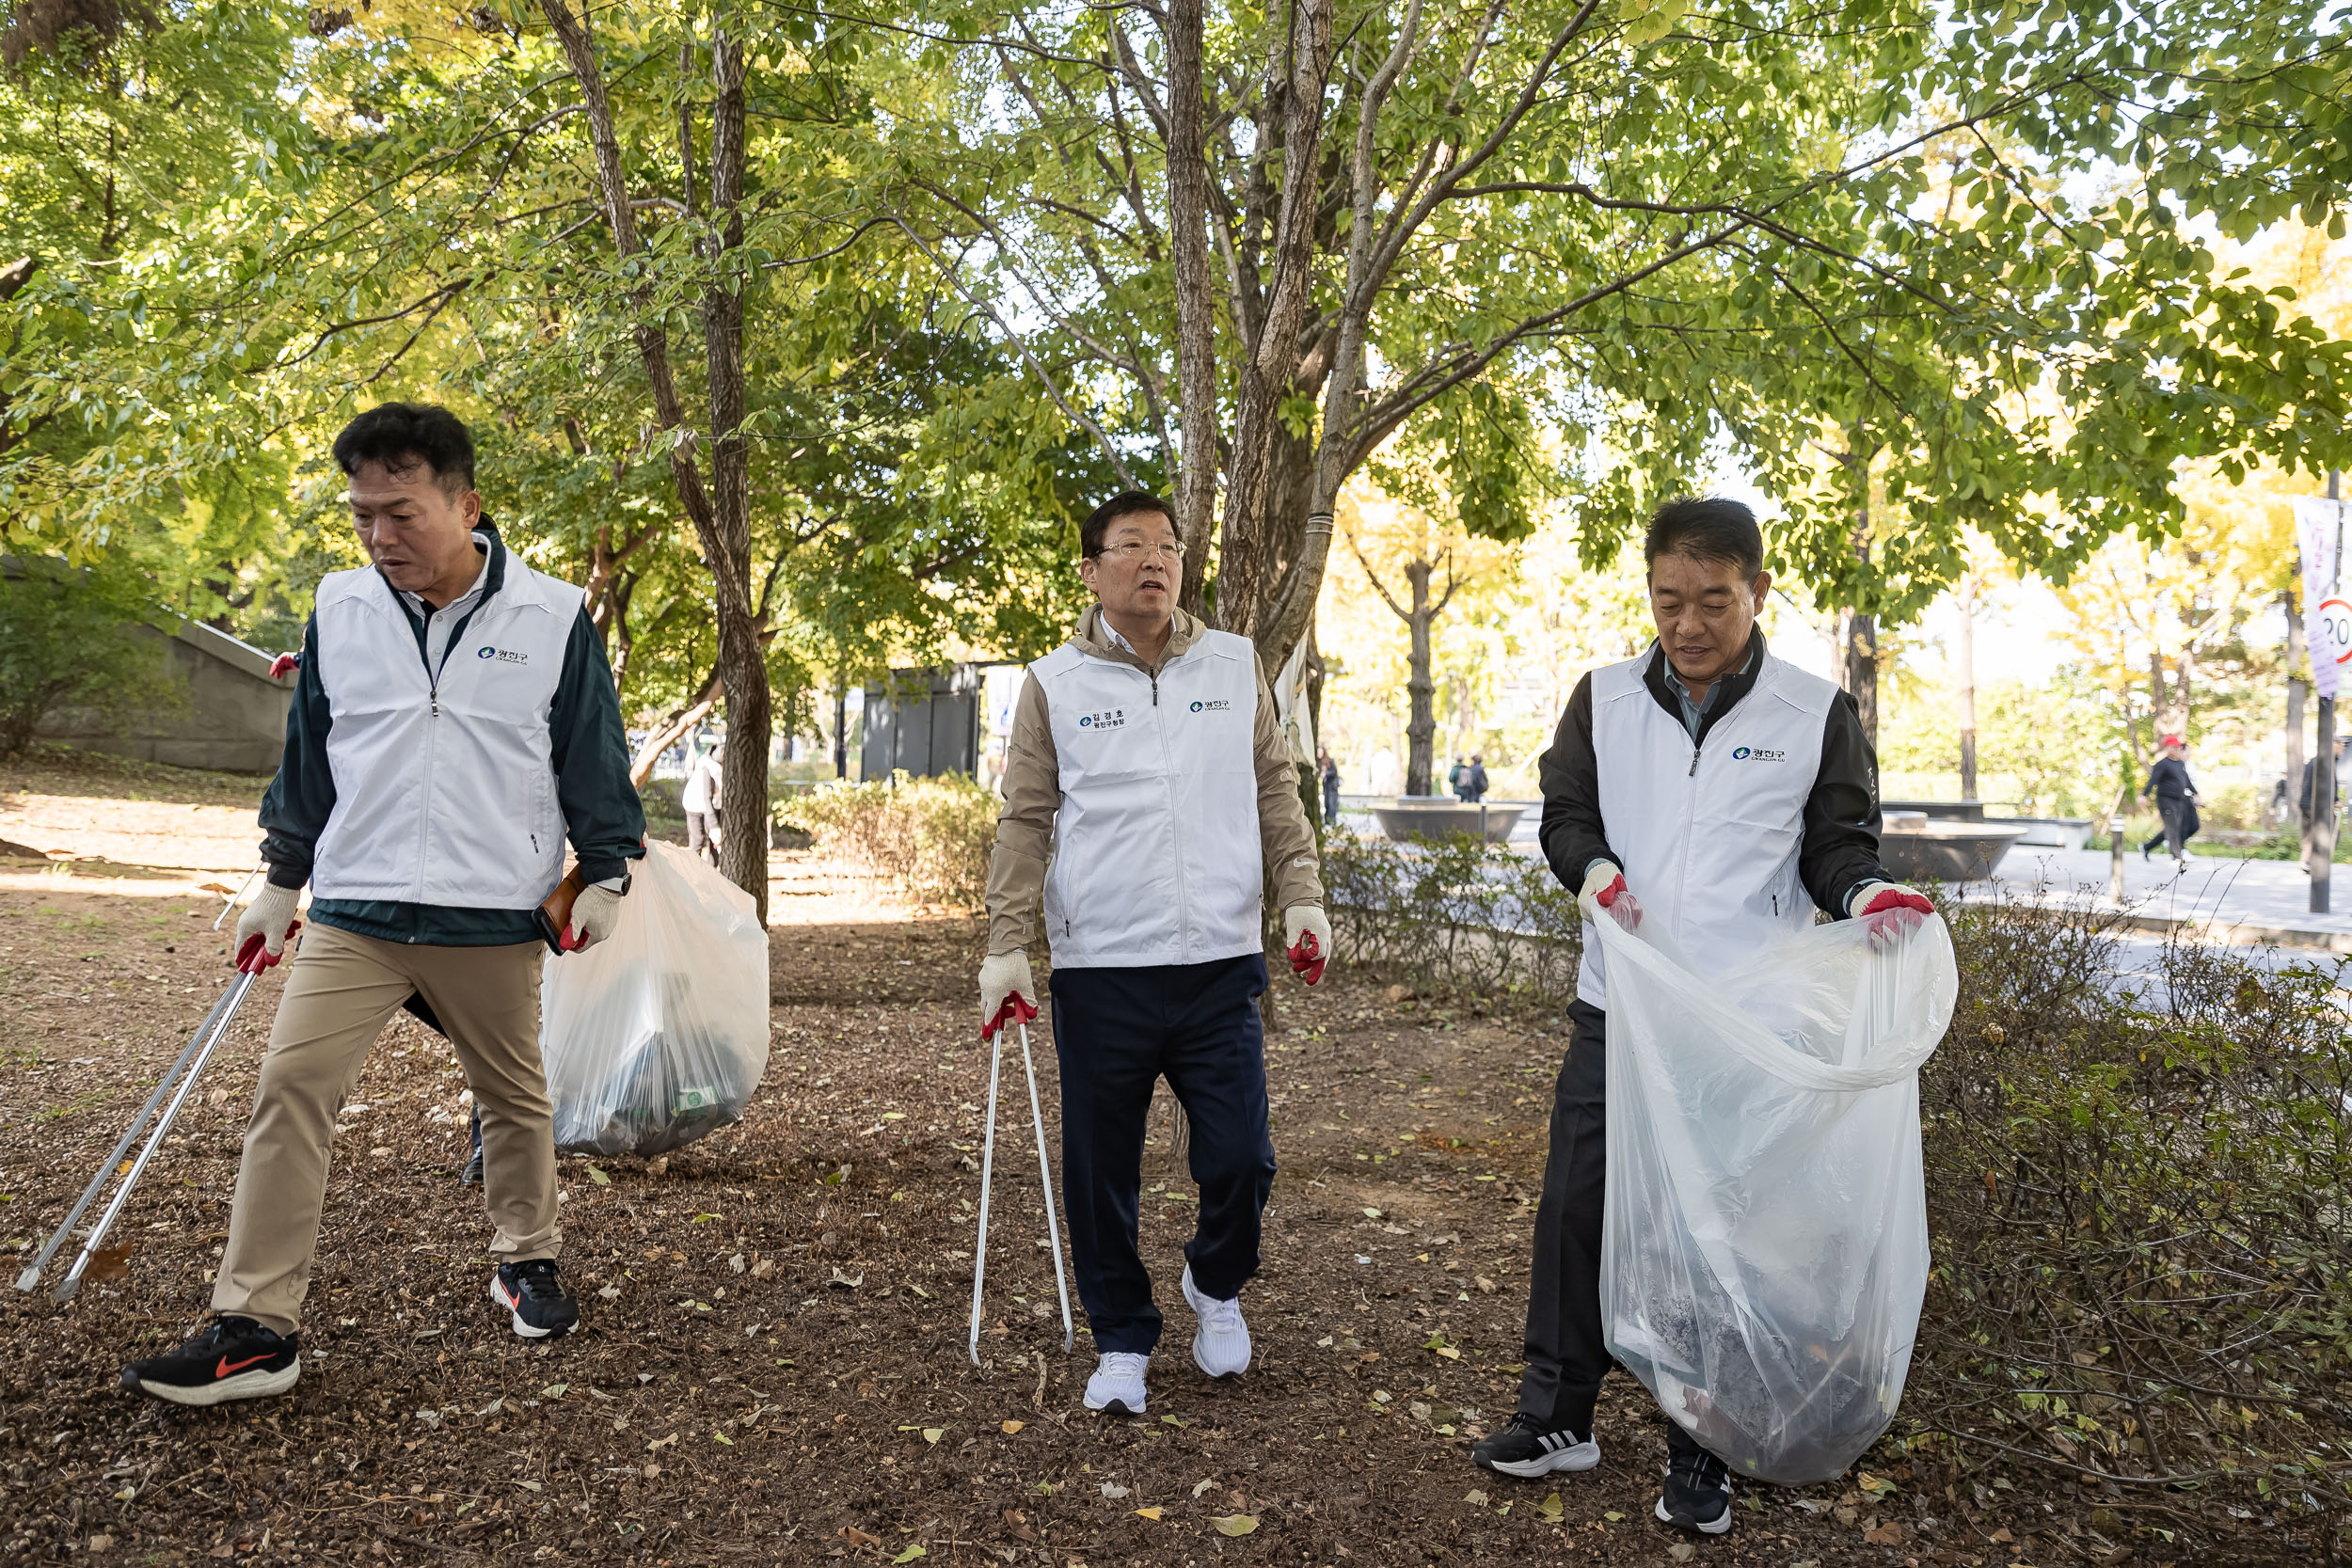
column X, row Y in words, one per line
column 1708, row 836
column 1156, row 857
column 444, row 783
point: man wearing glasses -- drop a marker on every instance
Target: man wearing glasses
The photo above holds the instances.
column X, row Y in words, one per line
column 1147, row 792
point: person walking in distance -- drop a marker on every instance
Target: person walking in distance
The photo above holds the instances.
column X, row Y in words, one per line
column 1721, row 797
column 454, row 721
column 700, row 800
column 1327, row 772
column 2176, row 802
column 1149, row 792
column 1474, row 779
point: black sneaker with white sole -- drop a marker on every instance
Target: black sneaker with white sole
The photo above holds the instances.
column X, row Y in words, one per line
column 229, row 1359
column 1698, row 1490
column 1529, row 1449
column 537, row 1299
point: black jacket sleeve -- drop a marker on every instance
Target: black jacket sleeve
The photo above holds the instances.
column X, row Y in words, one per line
column 294, row 811
column 1571, row 832
column 1840, row 851
column 590, row 753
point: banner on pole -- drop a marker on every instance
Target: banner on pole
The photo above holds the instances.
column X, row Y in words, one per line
column 2327, row 615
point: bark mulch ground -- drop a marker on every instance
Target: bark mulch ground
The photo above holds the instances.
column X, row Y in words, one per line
column 771, row 1365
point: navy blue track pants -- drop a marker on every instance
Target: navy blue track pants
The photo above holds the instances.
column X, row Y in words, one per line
column 1116, row 1031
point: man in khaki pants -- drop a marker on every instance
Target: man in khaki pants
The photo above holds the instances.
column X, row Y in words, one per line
column 455, row 720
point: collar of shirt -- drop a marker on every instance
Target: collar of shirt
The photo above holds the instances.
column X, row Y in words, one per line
column 465, row 601
column 1694, row 712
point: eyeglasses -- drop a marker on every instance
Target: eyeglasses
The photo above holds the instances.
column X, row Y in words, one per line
column 1136, row 550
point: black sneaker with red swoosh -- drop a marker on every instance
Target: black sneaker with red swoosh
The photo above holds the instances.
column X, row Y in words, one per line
column 534, row 1298
column 229, row 1359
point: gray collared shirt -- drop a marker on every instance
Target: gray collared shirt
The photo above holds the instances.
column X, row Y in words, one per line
column 438, row 624
column 1692, row 713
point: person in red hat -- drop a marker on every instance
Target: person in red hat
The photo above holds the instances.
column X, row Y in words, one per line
column 2176, row 801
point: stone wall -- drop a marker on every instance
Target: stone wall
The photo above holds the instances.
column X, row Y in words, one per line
column 231, row 716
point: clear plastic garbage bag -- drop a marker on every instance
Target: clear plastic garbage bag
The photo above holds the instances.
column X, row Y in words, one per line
column 659, row 1034
column 1765, row 1247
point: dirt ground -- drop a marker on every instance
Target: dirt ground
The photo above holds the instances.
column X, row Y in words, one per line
column 771, row 1362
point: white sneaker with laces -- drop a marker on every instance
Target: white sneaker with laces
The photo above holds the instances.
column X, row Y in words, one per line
column 1117, row 1385
column 1220, row 1347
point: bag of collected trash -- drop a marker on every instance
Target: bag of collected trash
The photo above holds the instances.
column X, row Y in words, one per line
column 1765, row 1247
column 659, row 1034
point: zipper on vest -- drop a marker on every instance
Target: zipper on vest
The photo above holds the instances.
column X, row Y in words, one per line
column 1155, row 687
column 1695, row 762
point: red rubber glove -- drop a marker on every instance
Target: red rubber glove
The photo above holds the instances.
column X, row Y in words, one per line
column 1606, row 883
column 255, row 956
column 283, row 665
column 1891, row 912
column 1005, row 982
column 1015, row 1010
column 1307, row 932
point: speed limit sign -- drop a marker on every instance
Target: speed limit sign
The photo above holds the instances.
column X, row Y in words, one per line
column 2334, row 622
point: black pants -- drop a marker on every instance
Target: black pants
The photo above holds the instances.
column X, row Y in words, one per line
column 1567, row 1353
column 698, row 841
column 2181, row 823
column 1116, row 1032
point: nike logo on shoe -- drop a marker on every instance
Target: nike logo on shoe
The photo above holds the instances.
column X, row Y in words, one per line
column 228, row 1365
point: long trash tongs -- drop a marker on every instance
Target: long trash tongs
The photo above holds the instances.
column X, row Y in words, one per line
column 1045, row 1174
column 185, row 1073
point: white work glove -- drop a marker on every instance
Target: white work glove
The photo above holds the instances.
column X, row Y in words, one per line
column 1307, row 936
column 596, row 914
column 1891, row 910
column 1007, row 992
column 264, row 926
column 1604, row 884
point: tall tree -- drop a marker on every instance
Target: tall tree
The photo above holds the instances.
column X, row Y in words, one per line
column 1649, row 225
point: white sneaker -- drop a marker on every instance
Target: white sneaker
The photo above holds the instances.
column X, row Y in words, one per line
column 1221, row 1345
column 1117, row 1385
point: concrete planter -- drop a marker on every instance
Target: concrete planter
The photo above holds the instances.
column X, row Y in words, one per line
column 1437, row 816
column 1933, row 851
column 2058, row 832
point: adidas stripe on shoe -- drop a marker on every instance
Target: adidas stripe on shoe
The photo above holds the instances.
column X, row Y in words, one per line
column 1527, row 1450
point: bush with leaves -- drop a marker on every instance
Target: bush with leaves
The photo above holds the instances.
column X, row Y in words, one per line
column 931, row 837
column 1460, row 914
column 2138, row 1195
column 67, row 645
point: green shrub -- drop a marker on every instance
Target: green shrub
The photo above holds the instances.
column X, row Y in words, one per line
column 931, row 837
column 2138, row 1206
column 67, row 646
column 1458, row 915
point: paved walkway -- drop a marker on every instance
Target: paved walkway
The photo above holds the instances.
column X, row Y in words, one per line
column 2249, row 903
column 2220, row 900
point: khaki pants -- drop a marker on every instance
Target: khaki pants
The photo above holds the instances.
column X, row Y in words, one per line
column 341, row 989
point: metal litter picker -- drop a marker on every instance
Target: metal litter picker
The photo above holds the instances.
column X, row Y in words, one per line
column 1045, row 1174
column 178, row 1084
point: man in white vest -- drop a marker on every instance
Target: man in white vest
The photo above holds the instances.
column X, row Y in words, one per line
column 455, row 720
column 1712, row 788
column 1148, row 793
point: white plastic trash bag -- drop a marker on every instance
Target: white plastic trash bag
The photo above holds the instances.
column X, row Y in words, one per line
column 659, row 1034
column 1765, row 1247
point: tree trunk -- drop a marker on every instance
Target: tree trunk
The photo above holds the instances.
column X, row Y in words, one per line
column 1195, row 318
column 1248, row 577
column 1862, row 631
column 724, row 526
column 1967, row 687
column 743, row 658
column 2158, row 698
column 1422, row 727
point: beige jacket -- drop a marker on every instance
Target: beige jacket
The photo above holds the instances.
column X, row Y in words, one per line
column 1033, row 794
